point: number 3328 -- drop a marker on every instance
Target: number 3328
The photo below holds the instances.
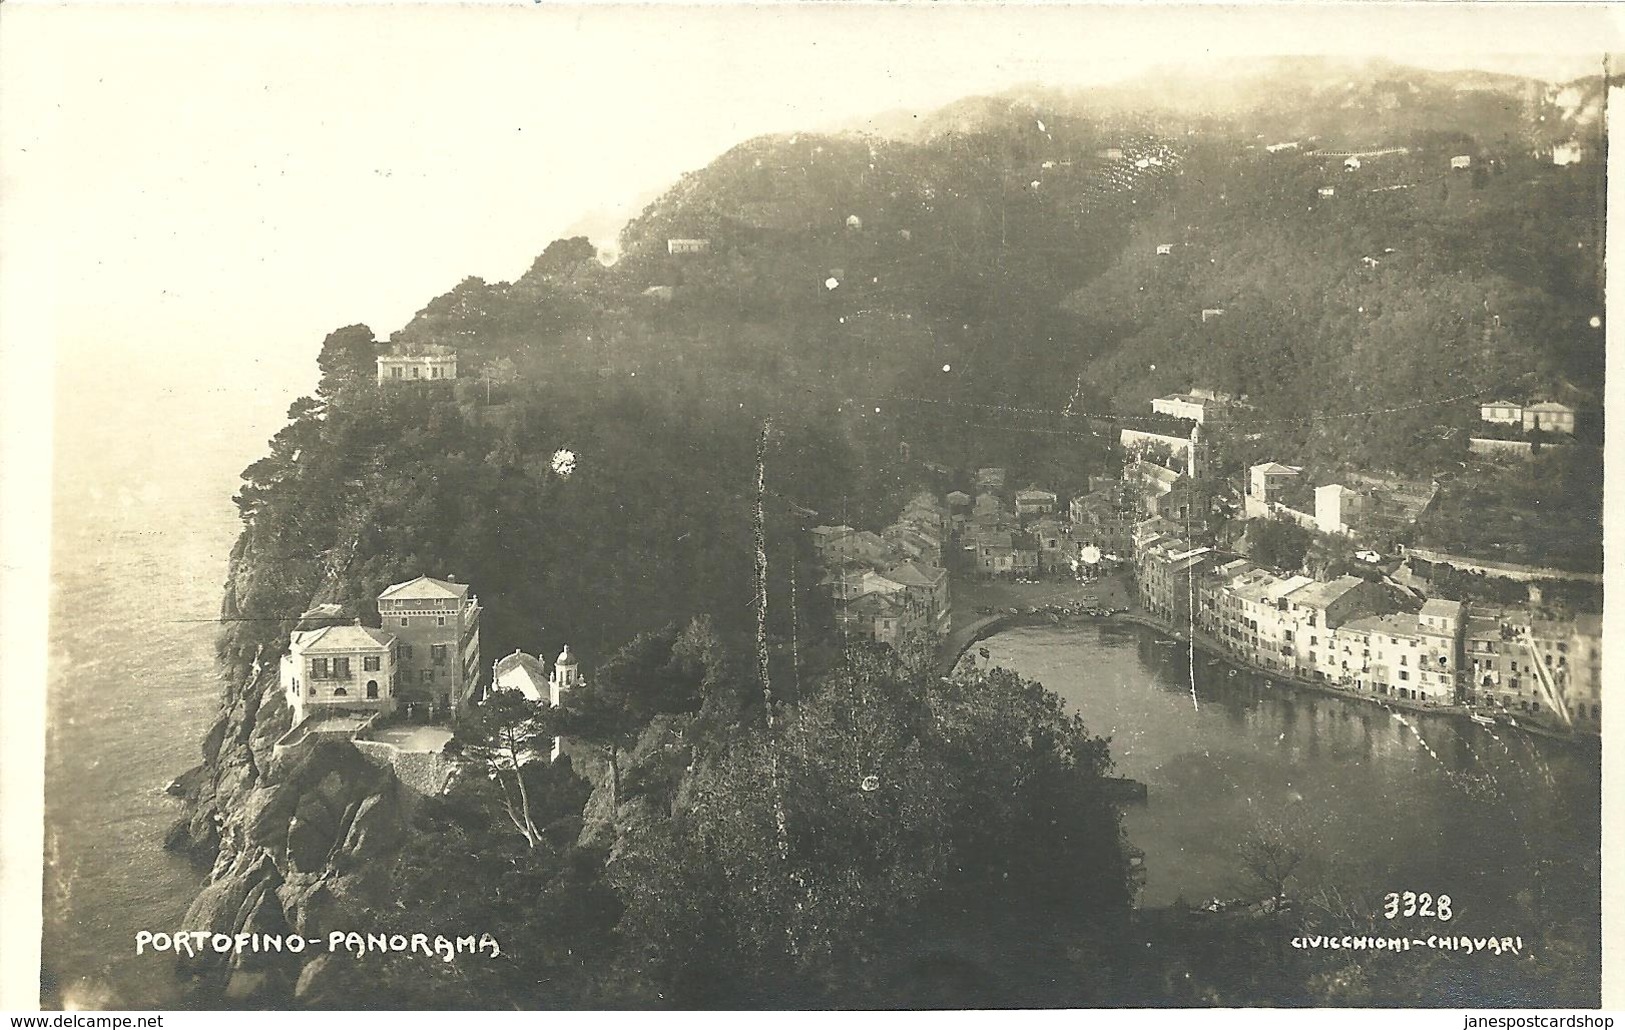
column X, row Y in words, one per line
column 1411, row 903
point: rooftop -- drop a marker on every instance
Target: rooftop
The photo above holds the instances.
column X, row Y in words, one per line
column 520, row 660
column 1275, row 468
column 1400, row 624
column 913, row 574
column 1321, row 595
column 342, row 638
column 1442, row 608
column 424, row 587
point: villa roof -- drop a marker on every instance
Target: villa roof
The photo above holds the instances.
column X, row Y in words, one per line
column 424, row 587
column 1398, row 625
column 342, row 638
column 525, row 672
column 531, row 664
column 1442, row 608
column 1272, row 468
column 1322, row 595
column 913, row 574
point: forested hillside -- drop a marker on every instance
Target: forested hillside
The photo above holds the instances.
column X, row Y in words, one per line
column 986, row 289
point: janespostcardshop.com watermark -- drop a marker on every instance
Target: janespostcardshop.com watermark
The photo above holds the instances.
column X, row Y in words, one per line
column 193, row 943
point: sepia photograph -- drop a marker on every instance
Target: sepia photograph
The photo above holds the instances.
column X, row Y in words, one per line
column 804, row 506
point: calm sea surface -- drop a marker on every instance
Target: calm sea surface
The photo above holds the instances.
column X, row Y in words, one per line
column 1424, row 804
column 143, row 526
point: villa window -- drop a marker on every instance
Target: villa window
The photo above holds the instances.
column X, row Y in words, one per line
column 341, row 668
column 395, row 372
column 403, row 620
column 371, row 663
column 437, row 653
column 318, row 668
column 372, row 690
column 1404, row 675
column 427, row 676
column 340, row 692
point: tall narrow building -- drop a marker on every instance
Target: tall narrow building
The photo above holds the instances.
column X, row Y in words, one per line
column 437, row 625
column 565, row 678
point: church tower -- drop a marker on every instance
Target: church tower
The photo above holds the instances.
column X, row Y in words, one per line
column 566, row 676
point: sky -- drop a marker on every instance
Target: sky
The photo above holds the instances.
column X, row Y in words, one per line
column 204, row 192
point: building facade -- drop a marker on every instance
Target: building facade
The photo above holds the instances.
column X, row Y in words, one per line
column 339, row 669
column 404, row 363
column 437, row 624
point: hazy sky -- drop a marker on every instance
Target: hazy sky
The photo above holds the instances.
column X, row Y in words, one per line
column 200, row 194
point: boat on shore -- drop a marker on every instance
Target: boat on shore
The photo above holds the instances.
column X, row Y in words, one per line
column 1481, row 719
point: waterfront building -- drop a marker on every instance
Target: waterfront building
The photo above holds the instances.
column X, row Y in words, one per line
column 1166, row 573
column 1317, row 610
column 1582, row 689
column 1441, row 624
column 926, row 586
column 1393, row 651
column 1496, row 666
column 437, row 624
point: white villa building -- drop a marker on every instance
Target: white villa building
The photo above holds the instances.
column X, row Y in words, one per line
column 404, row 363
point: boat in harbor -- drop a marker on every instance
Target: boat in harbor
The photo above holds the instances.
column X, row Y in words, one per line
column 1481, row 719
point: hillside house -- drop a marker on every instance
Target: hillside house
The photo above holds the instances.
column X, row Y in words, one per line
column 1035, row 502
column 990, row 480
column 1337, row 509
column 1197, row 407
column 1265, row 483
column 1549, row 417
column 688, row 246
column 437, row 623
column 408, row 362
column 825, row 538
column 1164, row 249
column 959, row 499
column 1276, row 148
column 1351, row 164
column 1505, row 413
column 854, row 223
column 1567, row 154
column 1327, row 191
column 1460, row 162
column 340, row 669
column 1209, row 314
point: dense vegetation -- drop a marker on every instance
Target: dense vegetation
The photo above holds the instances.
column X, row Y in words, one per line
column 874, row 835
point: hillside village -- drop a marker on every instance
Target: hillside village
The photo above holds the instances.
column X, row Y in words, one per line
column 1323, row 405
